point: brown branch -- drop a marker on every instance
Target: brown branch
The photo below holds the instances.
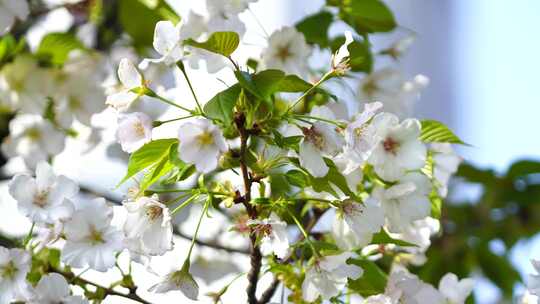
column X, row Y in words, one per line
column 269, row 292
column 253, row 274
column 132, row 295
column 211, row 245
column 255, row 256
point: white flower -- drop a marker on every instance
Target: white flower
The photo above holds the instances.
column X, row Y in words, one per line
column 287, row 51
column 130, row 78
column 399, row 148
column 389, row 87
column 194, row 27
column 328, row 276
column 446, row 163
column 134, row 130
column 399, row 47
column 528, row 298
column 11, row 10
column 91, row 241
column 360, row 138
column 419, row 233
column 534, row 279
column 274, row 235
column 149, row 224
column 53, row 288
column 345, row 238
column 167, row 42
column 78, row 92
column 178, row 280
column 406, row 201
column 201, row 143
column 454, row 290
column 26, row 86
column 321, row 139
column 378, row 299
column 14, row 266
column 42, row 199
column 363, row 220
column 227, row 7
column 213, row 266
column 32, row 138
column 341, row 57
column 403, row 287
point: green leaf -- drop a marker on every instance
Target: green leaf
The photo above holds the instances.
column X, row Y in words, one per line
column 360, row 57
column 55, row 47
column 382, row 237
column 224, row 43
column 151, row 154
column 265, row 83
column 333, row 177
column 435, row 131
column 293, row 84
column 297, row 178
column 373, row 280
column 221, row 106
column 139, row 17
column 315, row 28
column 7, row 47
column 523, row 168
column 368, row 16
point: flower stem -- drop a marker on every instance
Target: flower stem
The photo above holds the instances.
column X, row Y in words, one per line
column 182, row 68
column 205, row 208
column 158, row 123
column 336, row 123
column 185, row 203
column 325, row 77
column 165, row 100
column 306, row 235
column 29, row 235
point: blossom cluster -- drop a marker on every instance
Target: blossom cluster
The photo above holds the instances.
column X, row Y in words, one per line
column 274, row 152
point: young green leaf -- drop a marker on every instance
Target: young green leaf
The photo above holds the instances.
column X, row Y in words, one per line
column 224, row 43
column 435, row 131
column 315, row 28
column 297, row 178
column 55, row 47
column 221, row 106
column 265, row 83
column 382, row 237
column 151, row 154
column 368, row 16
column 139, row 17
column 372, row 281
column 360, row 56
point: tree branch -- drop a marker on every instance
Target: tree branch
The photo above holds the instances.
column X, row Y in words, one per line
column 132, row 295
column 211, row 245
column 269, row 292
column 255, row 256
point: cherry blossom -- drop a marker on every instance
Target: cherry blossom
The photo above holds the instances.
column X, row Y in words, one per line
column 201, row 144
column 148, row 224
column 134, row 130
column 288, row 51
column 43, row 198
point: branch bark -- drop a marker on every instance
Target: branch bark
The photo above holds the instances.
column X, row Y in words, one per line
column 255, row 256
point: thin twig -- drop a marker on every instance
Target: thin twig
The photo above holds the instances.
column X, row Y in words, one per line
column 213, row 245
column 132, row 295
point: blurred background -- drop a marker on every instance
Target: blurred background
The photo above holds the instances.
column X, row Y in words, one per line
column 482, row 59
